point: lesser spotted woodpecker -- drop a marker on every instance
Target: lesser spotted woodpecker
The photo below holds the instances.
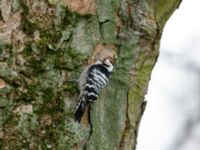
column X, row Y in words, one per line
column 92, row 80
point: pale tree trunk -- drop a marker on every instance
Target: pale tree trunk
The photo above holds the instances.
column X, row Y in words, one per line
column 46, row 43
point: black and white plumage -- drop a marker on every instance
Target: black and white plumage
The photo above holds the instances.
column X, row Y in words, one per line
column 91, row 82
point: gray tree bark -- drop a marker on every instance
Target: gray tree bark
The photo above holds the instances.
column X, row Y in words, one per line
column 46, row 43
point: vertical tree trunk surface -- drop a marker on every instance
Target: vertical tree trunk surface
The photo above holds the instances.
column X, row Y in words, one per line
column 46, row 43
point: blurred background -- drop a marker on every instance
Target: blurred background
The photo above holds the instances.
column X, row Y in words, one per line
column 172, row 117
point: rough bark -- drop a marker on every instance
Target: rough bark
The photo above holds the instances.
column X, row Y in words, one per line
column 45, row 43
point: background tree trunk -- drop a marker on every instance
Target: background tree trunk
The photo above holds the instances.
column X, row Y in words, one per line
column 45, row 43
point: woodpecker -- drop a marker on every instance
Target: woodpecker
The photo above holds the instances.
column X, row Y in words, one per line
column 92, row 80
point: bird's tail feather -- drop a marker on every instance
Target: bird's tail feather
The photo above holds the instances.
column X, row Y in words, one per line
column 80, row 110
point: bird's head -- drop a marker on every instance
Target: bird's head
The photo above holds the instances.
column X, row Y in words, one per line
column 108, row 63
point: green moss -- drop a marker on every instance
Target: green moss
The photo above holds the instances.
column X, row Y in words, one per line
column 6, row 107
column 72, row 134
column 24, row 7
column 85, row 36
column 27, row 25
column 164, row 10
column 32, row 93
column 31, row 22
column 6, row 90
column 20, row 127
column 15, row 5
column 7, row 73
column 26, row 123
column 5, row 49
column 64, row 17
column 48, row 94
column 108, row 31
column 68, row 58
column 107, row 9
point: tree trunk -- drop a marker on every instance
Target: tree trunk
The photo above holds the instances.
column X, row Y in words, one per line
column 45, row 44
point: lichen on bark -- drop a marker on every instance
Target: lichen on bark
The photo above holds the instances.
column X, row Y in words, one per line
column 44, row 44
